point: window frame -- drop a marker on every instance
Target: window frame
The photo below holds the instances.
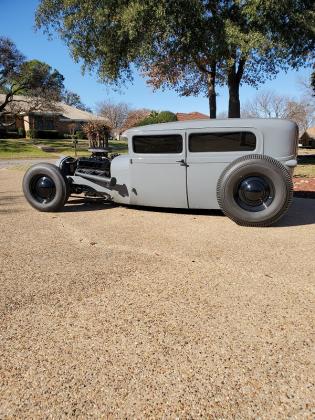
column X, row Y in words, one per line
column 158, row 135
column 217, row 130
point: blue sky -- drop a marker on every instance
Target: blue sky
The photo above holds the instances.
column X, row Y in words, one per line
column 17, row 23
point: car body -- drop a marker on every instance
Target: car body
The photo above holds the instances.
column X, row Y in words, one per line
column 180, row 164
column 160, row 179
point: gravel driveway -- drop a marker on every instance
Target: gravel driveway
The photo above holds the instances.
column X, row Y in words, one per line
column 9, row 163
column 114, row 312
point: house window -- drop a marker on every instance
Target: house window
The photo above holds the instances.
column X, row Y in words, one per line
column 38, row 122
column 49, row 123
column 237, row 141
column 158, row 144
column 43, row 123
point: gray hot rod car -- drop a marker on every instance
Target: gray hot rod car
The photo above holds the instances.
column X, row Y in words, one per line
column 242, row 166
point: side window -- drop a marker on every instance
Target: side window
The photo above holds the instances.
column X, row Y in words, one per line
column 222, row 142
column 158, row 144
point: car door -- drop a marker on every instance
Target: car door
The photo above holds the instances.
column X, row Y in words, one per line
column 209, row 151
column 158, row 169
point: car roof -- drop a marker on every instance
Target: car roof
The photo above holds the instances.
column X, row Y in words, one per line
column 214, row 123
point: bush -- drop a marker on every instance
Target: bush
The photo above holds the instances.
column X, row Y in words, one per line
column 12, row 135
column 158, row 117
column 32, row 133
column 49, row 134
column 80, row 135
column 21, row 132
column 166, row 116
column 44, row 134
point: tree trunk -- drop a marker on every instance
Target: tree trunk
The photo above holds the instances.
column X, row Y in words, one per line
column 234, row 100
column 234, row 79
column 212, row 96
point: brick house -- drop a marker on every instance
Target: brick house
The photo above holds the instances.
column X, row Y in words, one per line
column 66, row 120
column 308, row 138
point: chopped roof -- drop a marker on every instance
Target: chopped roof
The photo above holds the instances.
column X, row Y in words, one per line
column 213, row 123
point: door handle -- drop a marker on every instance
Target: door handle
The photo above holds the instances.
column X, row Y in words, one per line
column 182, row 163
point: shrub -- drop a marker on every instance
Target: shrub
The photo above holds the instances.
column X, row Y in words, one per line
column 49, row 134
column 80, row 135
column 43, row 134
column 12, row 135
column 97, row 133
column 32, row 133
column 158, row 117
column 5, row 134
column 166, row 116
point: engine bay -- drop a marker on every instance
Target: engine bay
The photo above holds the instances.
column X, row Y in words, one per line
column 98, row 164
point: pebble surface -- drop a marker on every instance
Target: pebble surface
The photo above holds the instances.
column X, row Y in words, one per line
column 116, row 312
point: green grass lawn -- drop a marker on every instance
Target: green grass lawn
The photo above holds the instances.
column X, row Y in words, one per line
column 27, row 148
column 306, row 164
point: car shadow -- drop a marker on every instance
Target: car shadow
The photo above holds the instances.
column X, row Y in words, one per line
column 301, row 212
column 79, row 204
column 194, row 212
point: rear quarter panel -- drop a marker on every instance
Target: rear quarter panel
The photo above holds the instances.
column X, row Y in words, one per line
column 205, row 168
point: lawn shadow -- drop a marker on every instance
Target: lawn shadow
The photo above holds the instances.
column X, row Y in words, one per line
column 306, row 159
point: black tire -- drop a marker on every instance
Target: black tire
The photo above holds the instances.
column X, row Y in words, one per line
column 45, row 188
column 255, row 190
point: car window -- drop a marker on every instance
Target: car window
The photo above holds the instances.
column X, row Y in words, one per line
column 158, row 144
column 222, row 141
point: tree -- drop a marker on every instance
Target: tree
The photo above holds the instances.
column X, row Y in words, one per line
column 187, row 44
column 36, row 81
column 135, row 116
column 158, row 117
column 268, row 104
column 35, row 74
column 231, row 42
column 73, row 99
column 115, row 114
column 97, row 133
column 313, row 82
column 10, row 62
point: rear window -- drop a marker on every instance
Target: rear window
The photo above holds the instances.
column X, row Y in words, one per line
column 222, row 142
column 158, row 144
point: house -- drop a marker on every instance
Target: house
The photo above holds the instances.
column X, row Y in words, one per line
column 65, row 119
column 181, row 116
column 308, row 138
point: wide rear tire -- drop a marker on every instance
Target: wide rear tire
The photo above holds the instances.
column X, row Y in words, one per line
column 45, row 187
column 255, row 190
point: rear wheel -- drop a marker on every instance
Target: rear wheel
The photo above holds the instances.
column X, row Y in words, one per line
column 45, row 188
column 255, row 190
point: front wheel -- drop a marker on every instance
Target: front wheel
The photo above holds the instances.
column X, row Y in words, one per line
column 255, row 190
column 45, row 188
